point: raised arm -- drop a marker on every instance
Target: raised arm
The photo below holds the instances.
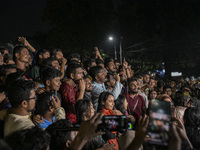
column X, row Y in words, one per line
column 23, row 40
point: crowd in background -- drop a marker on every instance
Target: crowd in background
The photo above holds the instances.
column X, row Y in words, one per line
column 51, row 102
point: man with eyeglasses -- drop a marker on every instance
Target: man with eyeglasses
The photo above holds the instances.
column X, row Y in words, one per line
column 22, row 98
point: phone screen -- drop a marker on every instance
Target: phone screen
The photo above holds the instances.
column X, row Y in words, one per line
column 159, row 122
column 113, row 123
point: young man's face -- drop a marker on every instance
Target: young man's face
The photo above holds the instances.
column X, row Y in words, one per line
column 88, row 86
column 79, row 74
column 46, row 55
column 133, row 87
column 152, row 83
column 101, row 76
column 146, row 78
column 123, row 76
column 111, row 67
column 59, row 56
column 31, row 101
column 55, row 84
column 24, row 55
column 56, row 64
column 168, row 91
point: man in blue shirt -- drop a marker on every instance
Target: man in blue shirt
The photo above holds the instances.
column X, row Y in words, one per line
column 49, row 108
column 98, row 75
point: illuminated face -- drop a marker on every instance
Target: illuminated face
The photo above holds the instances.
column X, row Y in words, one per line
column 152, row 83
column 88, row 86
column 46, row 55
column 56, row 64
column 146, row 78
column 55, row 84
column 24, row 55
column 109, row 103
column 111, row 67
column 59, row 56
column 133, row 88
column 101, row 76
column 123, row 76
column 168, row 91
column 89, row 113
column 153, row 95
column 79, row 74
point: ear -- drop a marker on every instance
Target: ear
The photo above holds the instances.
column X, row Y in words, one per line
column 16, row 55
column 48, row 82
column 68, row 143
column 96, row 78
column 103, row 103
column 72, row 76
column 24, row 104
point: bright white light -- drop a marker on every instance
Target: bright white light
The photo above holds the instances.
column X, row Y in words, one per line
column 110, row 38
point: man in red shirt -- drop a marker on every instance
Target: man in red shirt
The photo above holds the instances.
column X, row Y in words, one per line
column 136, row 103
column 69, row 90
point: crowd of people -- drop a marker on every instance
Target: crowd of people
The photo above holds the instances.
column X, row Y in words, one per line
column 51, row 102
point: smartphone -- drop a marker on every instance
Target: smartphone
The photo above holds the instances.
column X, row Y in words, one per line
column 113, row 123
column 159, row 122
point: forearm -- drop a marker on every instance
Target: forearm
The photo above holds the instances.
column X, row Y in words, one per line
column 81, row 95
column 78, row 143
column 31, row 48
column 128, row 73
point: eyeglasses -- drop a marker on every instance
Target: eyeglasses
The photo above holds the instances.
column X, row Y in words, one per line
column 34, row 98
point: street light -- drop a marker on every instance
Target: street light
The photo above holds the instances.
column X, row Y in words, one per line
column 111, row 39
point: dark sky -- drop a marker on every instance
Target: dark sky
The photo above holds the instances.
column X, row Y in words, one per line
column 20, row 17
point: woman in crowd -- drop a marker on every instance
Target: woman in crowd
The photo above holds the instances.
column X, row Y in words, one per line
column 153, row 94
column 121, row 104
column 106, row 106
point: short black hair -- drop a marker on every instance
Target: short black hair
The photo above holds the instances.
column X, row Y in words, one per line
column 3, row 48
column 29, row 139
column 48, row 62
column 119, row 104
column 50, row 73
column 4, row 68
column 88, row 63
column 167, row 87
column 59, row 134
column 94, row 71
column 43, row 103
column 41, row 52
column 102, row 98
column 107, row 61
column 4, row 145
column 19, row 91
column 131, row 80
column 72, row 69
column 17, row 49
column 99, row 61
column 74, row 55
column 54, row 51
column 81, row 106
column 13, row 77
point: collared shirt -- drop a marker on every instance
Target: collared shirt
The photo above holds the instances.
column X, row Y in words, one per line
column 145, row 98
column 46, row 123
column 99, row 88
column 131, row 103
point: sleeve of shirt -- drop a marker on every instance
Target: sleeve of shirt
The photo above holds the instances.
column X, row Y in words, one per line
column 97, row 90
column 59, row 114
column 117, row 90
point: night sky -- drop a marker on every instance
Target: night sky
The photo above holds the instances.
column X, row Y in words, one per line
column 20, row 17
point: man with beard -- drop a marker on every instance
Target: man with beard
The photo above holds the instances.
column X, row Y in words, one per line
column 136, row 102
column 22, row 98
column 98, row 75
column 110, row 66
column 49, row 108
column 69, row 90
column 88, row 88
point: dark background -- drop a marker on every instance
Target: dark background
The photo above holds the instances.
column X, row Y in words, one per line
column 153, row 31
